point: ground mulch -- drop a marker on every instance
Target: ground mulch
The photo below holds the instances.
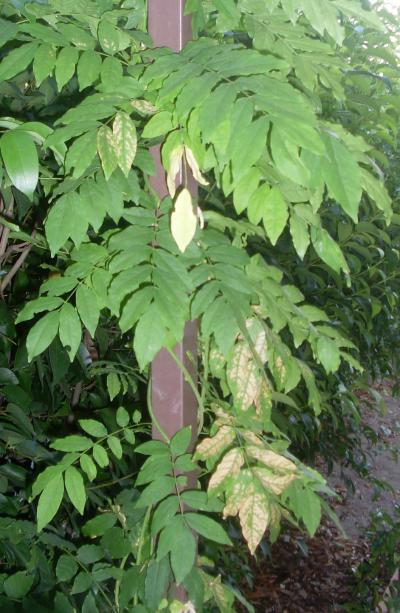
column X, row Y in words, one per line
column 304, row 575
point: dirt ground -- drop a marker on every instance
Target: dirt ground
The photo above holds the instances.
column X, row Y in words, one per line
column 314, row 575
column 383, row 464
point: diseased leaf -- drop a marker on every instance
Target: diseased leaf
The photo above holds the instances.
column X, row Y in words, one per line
column 183, row 220
column 125, row 141
column 107, row 150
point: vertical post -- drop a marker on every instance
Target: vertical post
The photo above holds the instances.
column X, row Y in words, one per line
column 174, row 403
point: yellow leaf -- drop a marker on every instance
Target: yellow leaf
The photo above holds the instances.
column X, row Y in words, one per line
column 191, row 160
column 211, row 447
column 183, row 220
column 228, row 467
column 276, row 483
column 271, row 459
column 254, row 515
column 236, row 495
column 243, row 376
column 175, row 161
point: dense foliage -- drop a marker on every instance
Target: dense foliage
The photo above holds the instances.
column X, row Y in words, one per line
column 286, row 115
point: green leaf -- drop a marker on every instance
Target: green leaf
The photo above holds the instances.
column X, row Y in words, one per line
column 44, row 303
column 88, row 466
column 179, row 541
column 158, row 125
column 115, row 543
column 256, row 203
column 70, row 330
column 16, row 586
column 75, row 488
column 49, row 501
column 115, row 445
column 72, row 443
column 275, row 214
column 245, row 189
column 17, row 60
column 156, row 582
column 82, row 583
column 328, row 354
column 99, row 525
column 181, row 441
column 88, row 554
column 113, row 385
column 164, row 513
column 44, row 62
column 65, row 66
column 150, row 337
column 42, row 334
column 300, row 234
column 21, row 160
column 122, row 417
column 107, row 151
column 81, row 153
column 125, row 141
column 342, row 175
column 93, row 427
column 153, row 448
column 88, row 69
column 65, row 220
column 66, row 568
column 306, row 506
column 328, row 250
column 249, row 147
column 156, row 491
column 88, row 309
column 100, row 456
column 208, row 528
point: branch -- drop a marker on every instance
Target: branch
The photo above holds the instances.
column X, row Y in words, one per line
column 5, row 231
column 16, row 266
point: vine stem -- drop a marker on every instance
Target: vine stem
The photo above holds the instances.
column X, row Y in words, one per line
column 189, row 379
column 153, row 417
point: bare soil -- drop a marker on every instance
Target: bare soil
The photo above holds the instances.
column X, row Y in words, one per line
column 315, row 575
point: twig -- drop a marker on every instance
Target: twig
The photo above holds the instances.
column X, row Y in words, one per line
column 5, row 231
column 16, row 266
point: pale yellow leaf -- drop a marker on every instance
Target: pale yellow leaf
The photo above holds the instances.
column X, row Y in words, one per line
column 183, row 220
column 191, row 160
column 211, row 447
column 144, row 107
column 236, row 495
column 243, row 376
column 276, row 483
column 271, row 459
column 253, row 439
column 175, row 161
column 254, row 515
column 125, row 141
column 228, row 467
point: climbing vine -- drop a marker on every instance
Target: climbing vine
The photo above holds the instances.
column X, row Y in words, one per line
column 266, row 109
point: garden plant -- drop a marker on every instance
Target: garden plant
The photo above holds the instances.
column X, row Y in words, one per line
column 285, row 114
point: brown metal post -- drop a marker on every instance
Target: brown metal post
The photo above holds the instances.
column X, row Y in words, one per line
column 174, row 403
